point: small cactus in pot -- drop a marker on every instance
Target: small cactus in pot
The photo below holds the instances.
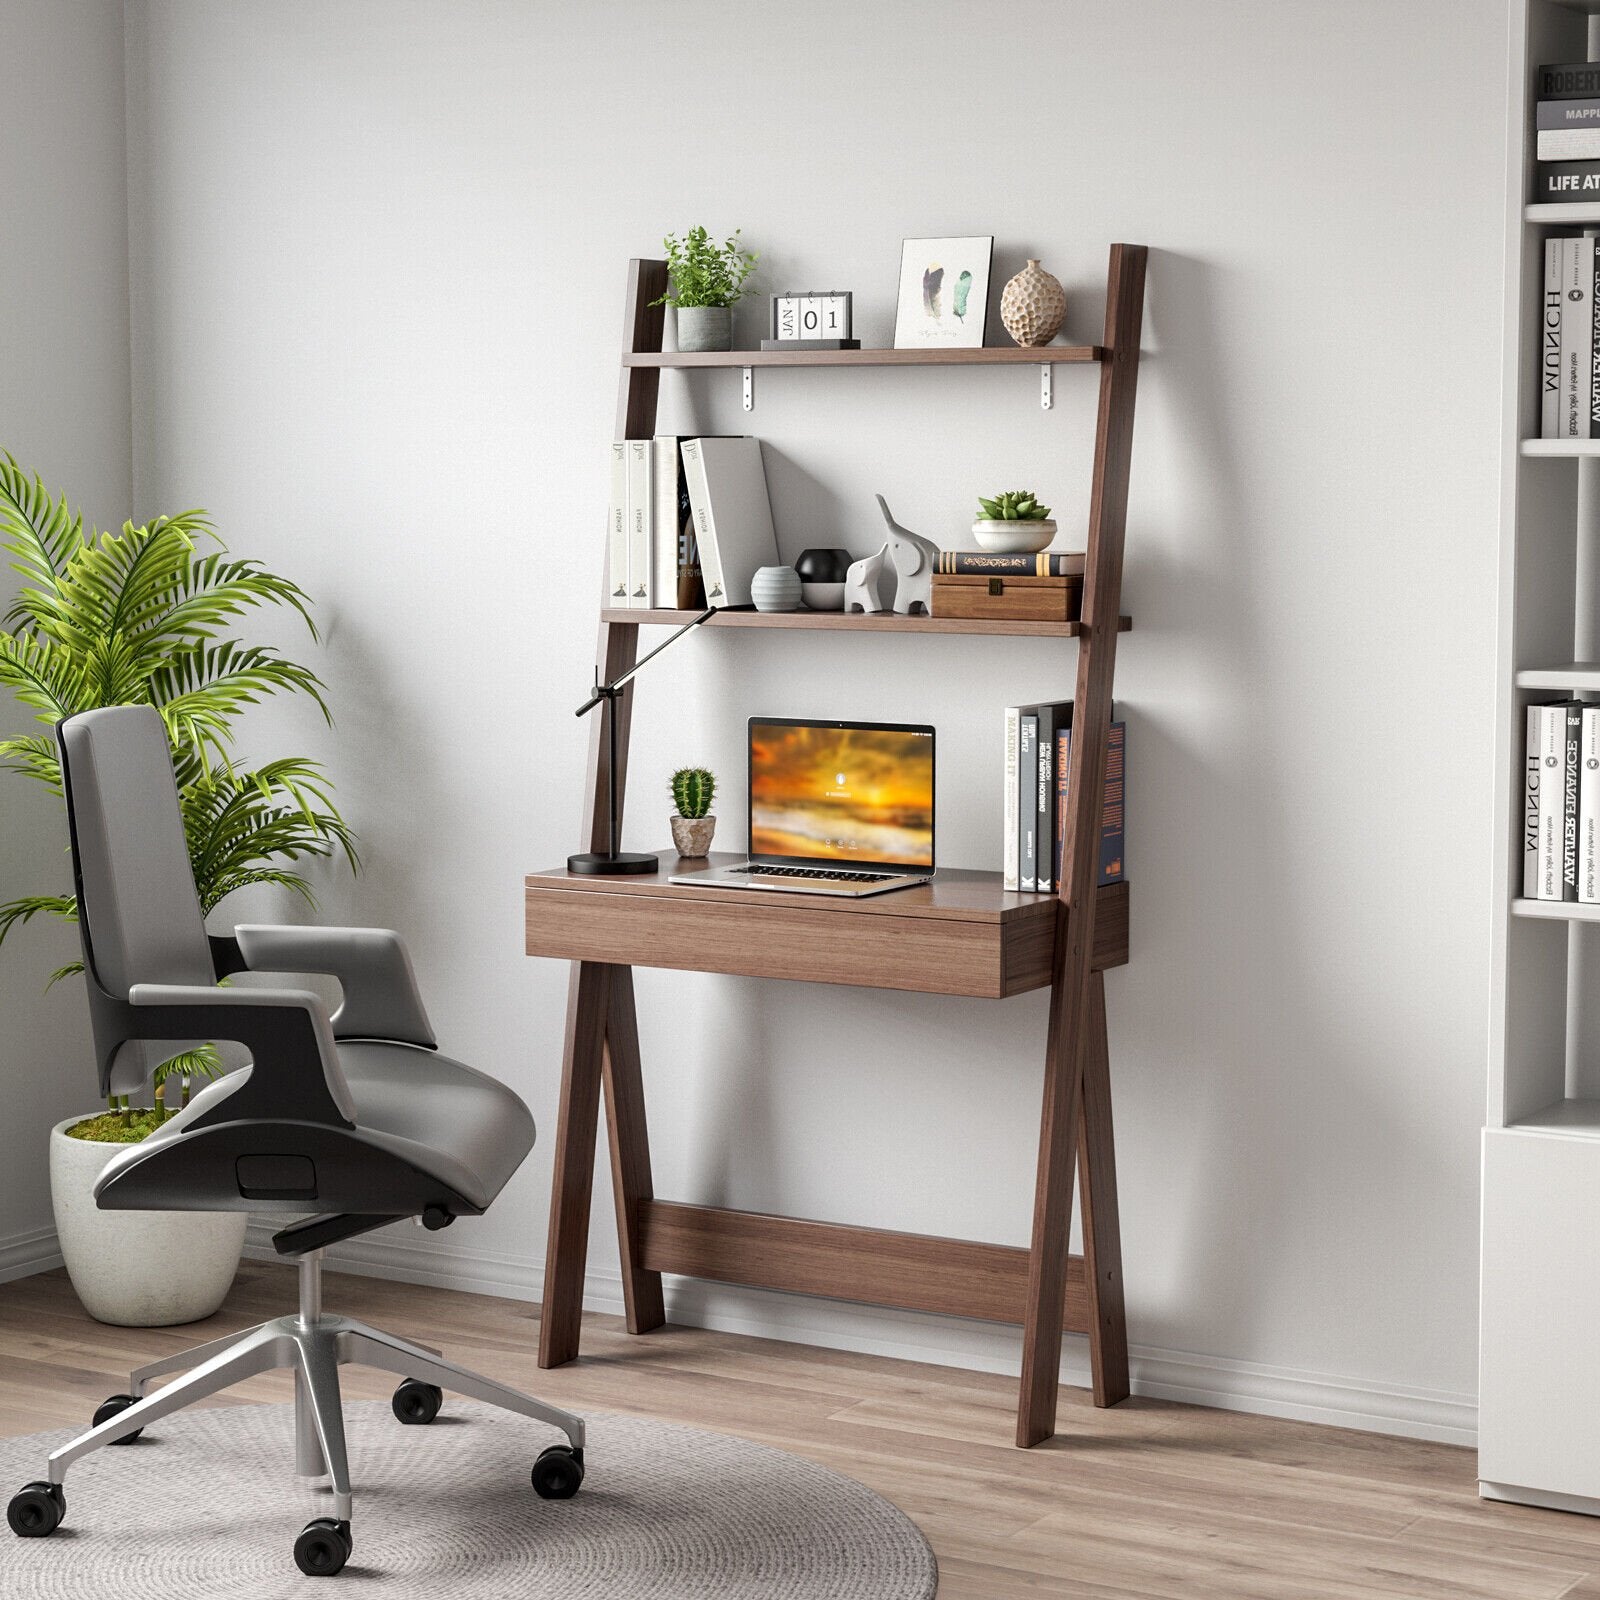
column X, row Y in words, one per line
column 693, row 789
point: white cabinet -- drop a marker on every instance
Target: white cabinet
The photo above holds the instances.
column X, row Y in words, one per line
column 1539, row 1384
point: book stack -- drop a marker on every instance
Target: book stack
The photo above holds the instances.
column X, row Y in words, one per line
column 1038, row 741
column 1568, row 347
column 688, row 524
column 1567, row 133
column 1561, row 803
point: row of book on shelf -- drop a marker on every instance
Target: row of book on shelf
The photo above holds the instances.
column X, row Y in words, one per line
column 1566, row 132
column 1569, row 341
column 1561, row 803
column 1038, row 741
column 689, row 522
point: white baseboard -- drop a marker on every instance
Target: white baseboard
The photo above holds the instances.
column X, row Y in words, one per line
column 24, row 1254
column 911, row 1336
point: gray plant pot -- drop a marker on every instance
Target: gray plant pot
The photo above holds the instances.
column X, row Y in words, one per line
column 705, row 327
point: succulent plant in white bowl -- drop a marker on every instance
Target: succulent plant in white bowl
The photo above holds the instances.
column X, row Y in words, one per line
column 1013, row 523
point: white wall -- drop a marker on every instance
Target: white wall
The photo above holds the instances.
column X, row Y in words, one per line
column 64, row 400
column 377, row 263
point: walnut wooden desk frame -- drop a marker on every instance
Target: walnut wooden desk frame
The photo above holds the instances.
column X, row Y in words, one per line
column 963, row 935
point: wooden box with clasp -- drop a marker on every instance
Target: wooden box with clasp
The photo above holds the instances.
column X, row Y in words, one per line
column 1004, row 597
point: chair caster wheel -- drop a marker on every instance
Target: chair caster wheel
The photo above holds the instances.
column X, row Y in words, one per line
column 416, row 1403
column 37, row 1511
column 323, row 1547
column 115, row 1406
column 558, row 1472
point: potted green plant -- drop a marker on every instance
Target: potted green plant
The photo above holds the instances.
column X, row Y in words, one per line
column 1013, row 522
column 128, row 618
column 707, row 278
column 693, row 789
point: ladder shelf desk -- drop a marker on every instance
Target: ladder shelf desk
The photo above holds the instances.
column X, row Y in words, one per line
column 964, row 934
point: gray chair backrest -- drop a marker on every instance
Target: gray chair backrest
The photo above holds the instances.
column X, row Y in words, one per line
column 139, row 914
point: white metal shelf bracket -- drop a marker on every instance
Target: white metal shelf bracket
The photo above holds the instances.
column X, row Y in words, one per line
column 1046, row 381
column 749, row 389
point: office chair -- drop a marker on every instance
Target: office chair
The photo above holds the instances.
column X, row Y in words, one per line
column 343, row 1122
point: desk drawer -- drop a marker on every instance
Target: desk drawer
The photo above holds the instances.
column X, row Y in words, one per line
column 763, row 937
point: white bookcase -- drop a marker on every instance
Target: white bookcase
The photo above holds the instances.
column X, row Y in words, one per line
column 1539, row 1385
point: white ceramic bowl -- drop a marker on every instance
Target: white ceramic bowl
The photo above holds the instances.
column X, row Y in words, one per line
column 822, row 596
column 1013, row 538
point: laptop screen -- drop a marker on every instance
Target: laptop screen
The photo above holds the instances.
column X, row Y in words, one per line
column 842, row 792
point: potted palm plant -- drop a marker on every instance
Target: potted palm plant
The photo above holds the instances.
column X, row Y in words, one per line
column 135, row 618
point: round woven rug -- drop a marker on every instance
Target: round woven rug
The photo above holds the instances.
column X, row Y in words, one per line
column 207, row 1505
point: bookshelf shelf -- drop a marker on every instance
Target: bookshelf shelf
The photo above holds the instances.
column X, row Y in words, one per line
column 1564, row 213
column 1580, row 1117
column 840, row 622
column 1561, row 447
column 1556, row 910
column 997, row 356
column 1571, row 676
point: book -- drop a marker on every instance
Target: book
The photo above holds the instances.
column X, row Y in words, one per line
column 1570, row 770
column 1577, row 80
column 1008, row 826
column 1053, row 716
column 1557, row 181
column 1589, row 808
column 1567, row 144
column 1583, row 113
column 1044, row 564
column 732, row 515
column 1543, row 788
column 1027, row 801
column 617, row 527
column 641, row 521
column 1550, row 344
column 1577, row 334
column 1113, row 807
column 667, row 501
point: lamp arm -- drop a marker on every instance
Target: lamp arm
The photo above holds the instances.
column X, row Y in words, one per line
column 609, row 691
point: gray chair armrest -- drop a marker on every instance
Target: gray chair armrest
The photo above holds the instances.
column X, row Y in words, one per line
column 287, row 1027
column 380, row 990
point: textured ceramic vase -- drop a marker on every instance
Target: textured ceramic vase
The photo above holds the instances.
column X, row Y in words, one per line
column 692, row 835
column 137, row 1269
column 1013, row 537
column 1033, row 305
column 705, row 327
column 775, row 589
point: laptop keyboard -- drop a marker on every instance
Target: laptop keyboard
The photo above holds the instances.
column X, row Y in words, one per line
column 817, row 872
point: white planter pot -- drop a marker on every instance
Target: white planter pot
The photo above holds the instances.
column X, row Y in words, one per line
column 1013, row 538
column 137, row 1269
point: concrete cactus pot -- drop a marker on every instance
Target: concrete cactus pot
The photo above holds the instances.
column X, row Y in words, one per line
column 137, row 1269
column 692, row 835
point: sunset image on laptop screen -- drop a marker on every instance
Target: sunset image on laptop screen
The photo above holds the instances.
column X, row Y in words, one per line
column 857, row 794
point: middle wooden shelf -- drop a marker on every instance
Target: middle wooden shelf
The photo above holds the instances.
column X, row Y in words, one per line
column 854, row 622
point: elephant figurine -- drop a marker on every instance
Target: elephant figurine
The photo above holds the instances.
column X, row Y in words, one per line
column 862, row 580
column 914, row 559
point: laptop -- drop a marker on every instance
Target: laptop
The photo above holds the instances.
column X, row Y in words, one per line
column 839, row 808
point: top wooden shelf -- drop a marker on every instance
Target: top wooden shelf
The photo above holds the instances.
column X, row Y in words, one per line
column 997, row 356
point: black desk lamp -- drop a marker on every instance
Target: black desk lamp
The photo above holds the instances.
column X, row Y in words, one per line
column 594, row 862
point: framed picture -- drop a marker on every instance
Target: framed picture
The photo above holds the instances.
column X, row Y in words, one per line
column 944, row 293
column 811, row 314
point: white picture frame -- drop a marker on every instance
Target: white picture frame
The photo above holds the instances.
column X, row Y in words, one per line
column 943, row 300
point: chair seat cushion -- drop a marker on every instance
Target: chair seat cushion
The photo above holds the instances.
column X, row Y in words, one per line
column 467, row 1129
column 434, row 1114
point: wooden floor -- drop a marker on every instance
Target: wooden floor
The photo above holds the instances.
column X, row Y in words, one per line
column 1147, row 1500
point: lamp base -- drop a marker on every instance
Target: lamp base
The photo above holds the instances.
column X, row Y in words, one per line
column 595, row 863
